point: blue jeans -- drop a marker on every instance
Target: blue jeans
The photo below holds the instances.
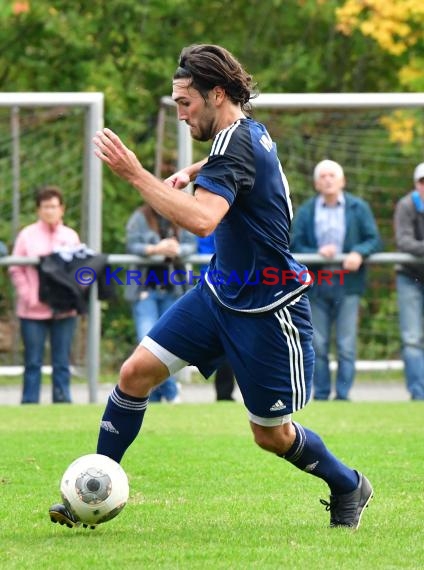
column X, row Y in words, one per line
column 410, row 296
column 331, row 307
column 34, row 333
column 146, row 311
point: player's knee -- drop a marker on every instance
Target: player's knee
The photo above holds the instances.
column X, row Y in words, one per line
column 276, row 439
column 127, row 371
column 267, row 444
column 265, row 439
column 262, row 442
column 132, row 378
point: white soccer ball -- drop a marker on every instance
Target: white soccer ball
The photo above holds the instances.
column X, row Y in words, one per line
column 95, row 488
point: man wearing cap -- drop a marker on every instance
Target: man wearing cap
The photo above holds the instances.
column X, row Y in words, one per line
column 409, row 231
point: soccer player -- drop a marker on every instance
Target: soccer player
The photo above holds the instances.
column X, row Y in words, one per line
column 250, row 308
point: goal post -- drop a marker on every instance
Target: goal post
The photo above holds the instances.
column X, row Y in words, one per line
column 89, row 179
column 92, row 180
column 378, row 138
column 306, row 101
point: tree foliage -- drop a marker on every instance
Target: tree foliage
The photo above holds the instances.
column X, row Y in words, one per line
column 396, row 26
column 128, row 50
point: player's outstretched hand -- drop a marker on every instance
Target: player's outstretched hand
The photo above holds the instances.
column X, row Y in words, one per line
column 120, row 159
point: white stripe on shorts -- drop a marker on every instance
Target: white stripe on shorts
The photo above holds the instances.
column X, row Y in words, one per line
column 171, row 361
column 269, row 422
column 297, row 372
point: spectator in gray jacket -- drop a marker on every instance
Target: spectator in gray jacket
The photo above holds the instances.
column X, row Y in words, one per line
column 409, row 231
column 150, row 235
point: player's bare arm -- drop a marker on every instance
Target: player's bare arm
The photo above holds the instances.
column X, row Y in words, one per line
column 199, row 213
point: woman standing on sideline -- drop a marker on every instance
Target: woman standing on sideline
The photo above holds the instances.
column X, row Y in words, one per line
column 37, row 320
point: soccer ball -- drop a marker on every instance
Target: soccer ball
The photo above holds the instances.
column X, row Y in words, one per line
column 95, row 488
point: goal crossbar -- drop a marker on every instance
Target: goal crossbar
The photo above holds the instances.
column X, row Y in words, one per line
column 307, row 101
column 330, row 100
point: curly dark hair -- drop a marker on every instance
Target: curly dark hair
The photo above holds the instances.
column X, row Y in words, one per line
column 209, row 66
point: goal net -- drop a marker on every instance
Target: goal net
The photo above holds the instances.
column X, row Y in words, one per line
column 44, row 139
column 378, row 139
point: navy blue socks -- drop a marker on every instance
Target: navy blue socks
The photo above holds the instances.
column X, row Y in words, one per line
column 120, row 423
column 123, row 417
column 309, row 454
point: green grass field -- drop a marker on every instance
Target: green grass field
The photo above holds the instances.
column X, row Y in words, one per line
column 203, row 496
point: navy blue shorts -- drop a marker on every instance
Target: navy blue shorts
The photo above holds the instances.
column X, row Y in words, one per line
column 271, row 354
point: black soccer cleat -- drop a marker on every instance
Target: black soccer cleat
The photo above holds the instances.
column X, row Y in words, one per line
column 60, row 514
column 347, row 509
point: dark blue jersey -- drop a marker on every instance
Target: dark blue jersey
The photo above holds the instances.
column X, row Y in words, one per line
column 253, row 270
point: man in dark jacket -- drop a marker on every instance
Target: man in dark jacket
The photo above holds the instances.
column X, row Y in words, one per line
column 409, row 228
column 335, row 222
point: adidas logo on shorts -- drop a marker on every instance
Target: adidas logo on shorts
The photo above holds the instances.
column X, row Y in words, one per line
column 279, row 405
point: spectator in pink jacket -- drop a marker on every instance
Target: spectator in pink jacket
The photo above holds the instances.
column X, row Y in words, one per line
column 37, row 320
